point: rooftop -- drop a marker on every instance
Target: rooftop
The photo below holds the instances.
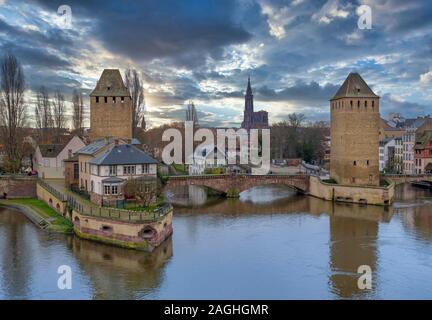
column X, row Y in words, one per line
column 99, row 144
column 110, row 84
column 95, row 146
column 123, row 154
column 51, row 150
column 354, row 87
column 423, row 139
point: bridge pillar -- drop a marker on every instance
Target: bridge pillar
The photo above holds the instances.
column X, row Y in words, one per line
column 232, row 193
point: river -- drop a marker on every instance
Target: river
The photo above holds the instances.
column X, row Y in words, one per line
column 269, row 244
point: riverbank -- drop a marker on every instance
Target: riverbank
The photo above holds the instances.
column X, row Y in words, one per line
column 40, row 214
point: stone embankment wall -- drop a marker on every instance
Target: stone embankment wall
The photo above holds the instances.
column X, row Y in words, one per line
column 140, row 235
column 18, row 187
column 352, row 194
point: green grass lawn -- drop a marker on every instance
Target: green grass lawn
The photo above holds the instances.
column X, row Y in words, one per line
column 58, row 223
column 180, row 168
column 135, row 207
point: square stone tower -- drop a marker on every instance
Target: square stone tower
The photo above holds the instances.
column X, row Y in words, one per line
column 354, row 158
column 110, row 107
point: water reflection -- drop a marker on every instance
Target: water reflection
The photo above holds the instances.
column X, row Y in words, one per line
column 270, row 243
column 14, row 233
column 135, row 271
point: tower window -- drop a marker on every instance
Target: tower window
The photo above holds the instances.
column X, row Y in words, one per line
column 373, row 103
column 97, row 99
column 365, row 104
column 114, row 99
column 367, row 162
column 108, row 88
column 106, row 99
column 358, row 104
column 355, row 163
column 122, row 99
column 351, row 103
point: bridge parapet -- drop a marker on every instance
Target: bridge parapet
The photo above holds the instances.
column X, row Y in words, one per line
column 402, row 178
column 233, row 184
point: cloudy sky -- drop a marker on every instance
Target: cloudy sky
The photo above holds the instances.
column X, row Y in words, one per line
column 297, row 52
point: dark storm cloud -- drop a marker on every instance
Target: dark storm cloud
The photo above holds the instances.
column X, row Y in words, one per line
column 30, row 46
column 185, row 32
column 300, row 92
column 192, row 49
column 408, row 109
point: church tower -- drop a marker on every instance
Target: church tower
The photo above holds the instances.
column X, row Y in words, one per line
column 355, row 133
column 248, row 113
column 110, row 107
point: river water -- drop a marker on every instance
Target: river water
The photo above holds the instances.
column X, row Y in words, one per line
column 269, row 244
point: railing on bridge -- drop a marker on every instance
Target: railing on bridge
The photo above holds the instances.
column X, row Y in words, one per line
column 85, row 207
column 227, row 175
column 416, row 175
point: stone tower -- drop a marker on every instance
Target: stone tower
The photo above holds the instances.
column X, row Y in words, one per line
column 110, row 107
column 355, row 133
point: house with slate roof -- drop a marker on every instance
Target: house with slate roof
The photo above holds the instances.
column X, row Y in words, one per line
column 111, row 169
column 91, row 151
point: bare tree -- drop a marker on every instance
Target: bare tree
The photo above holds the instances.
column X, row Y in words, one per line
column 78, row 112
column 43, row 114
column 59, row 112
column 134, row 84
column 296, row 119
column 12, row 109
column 144, row 190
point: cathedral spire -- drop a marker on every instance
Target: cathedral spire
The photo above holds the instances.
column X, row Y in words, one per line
column 249, row 89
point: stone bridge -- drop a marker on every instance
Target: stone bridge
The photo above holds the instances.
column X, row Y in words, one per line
column 233, row 184
column 402, row 178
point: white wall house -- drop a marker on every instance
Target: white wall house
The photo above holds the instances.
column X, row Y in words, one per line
column 110, row 170
column 48, row 158
column 205, row 157
column 408, row 139
column 398, row 156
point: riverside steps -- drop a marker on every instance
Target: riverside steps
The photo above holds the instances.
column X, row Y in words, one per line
column 142, row 230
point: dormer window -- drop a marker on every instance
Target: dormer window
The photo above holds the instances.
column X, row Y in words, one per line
column 108, row 88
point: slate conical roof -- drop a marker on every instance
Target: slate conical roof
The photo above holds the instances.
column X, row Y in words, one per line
column 110, row 84
column 354, row 87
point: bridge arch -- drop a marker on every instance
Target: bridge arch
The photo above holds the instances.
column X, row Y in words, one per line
column 233, row 185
